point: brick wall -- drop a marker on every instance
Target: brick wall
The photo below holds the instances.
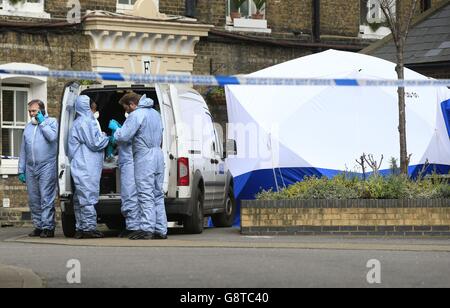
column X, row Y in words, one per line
column 13, row 190
column 52, row 50
column 172, row 7
column 217, row 58
column 347, row 217
column 289, row 16
column 21, row 217
column 214, row 57
column 340, row 17
column 59, row 9
column 210, row 12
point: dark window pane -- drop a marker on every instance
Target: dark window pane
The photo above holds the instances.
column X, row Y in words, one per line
column 6, row 144
column 8, row 106
column 17, row 136
column 245, row 9
column 21, row 103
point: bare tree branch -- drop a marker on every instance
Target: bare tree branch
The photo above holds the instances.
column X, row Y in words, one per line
column 374, row 164
column 409, row 158
column 410, row 18
column 386, row 7
column 399, row 24
column 361, row 162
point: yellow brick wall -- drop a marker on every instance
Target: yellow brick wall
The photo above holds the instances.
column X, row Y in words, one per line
column 272, row 217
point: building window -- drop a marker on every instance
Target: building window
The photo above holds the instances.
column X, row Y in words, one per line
column 26, row 8
column 14, row 117
column 15, row 92
column 125, row 5
column 373, row 22
column 249, row 17
column 126, row 2
column 247, row 10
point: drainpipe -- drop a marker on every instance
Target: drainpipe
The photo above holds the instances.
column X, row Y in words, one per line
column 191, row 8
column 316, row 20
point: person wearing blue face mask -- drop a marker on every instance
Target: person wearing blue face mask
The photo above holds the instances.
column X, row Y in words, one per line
column 86, row 155
column 143, row 129
column 37, row 168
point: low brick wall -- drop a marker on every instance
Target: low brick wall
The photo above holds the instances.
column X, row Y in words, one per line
column 21, row 217
column 346, row 217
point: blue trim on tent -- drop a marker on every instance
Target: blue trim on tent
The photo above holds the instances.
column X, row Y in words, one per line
column 446, row 111
column 415, row 171
column 248, row 185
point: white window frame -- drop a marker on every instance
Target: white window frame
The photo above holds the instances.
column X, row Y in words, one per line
column 37, row 88
column 246, row 23
column 24, row 9
column 251, row 9
column 366, row 31
column 14, row 125
column 122, row 8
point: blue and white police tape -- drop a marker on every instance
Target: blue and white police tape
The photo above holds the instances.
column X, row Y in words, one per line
column 228, row 80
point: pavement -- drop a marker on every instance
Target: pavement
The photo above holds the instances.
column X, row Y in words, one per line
column 223, row 258
column 231, row 238
column 16, row 277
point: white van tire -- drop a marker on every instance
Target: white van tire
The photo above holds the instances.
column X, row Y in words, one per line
column 68, row 225
column 226, row 219
column 194, row 224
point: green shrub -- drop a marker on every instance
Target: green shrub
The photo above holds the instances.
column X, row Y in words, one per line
column 348, row 187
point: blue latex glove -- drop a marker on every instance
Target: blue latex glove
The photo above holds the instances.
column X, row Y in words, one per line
column 109, row 150
column 40, row 117
column 114, row 125
column 22, row 178
column 112, row 141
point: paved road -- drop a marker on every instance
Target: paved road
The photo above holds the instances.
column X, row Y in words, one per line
column 226, row 259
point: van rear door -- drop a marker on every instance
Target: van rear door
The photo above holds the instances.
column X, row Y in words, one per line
column 170, row 147
column 67, row 116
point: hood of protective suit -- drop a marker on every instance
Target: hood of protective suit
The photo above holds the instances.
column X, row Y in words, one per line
column 82, row 106
column 145, row 102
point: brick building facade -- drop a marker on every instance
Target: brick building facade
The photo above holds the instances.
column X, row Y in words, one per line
column 236, row 50
column 51, row 44
column 38, row 34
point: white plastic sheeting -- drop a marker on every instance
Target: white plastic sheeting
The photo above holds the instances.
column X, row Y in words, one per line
column 284, row 133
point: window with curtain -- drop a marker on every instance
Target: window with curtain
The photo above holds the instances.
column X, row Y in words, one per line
column 13, row 119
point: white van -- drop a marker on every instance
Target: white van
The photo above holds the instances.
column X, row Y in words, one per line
column 197, row 182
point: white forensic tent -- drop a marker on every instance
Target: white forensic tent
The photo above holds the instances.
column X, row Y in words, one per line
column 284, row 133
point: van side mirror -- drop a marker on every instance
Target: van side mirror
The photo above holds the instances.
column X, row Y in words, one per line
column 230, row 147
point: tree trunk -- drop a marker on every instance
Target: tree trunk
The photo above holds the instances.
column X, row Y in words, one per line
column 402, row 111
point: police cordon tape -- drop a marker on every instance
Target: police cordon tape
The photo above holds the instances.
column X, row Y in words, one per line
column 227, row 80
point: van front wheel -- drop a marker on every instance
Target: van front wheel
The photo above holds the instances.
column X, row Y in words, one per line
column 226, row 219
column 194, row 224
